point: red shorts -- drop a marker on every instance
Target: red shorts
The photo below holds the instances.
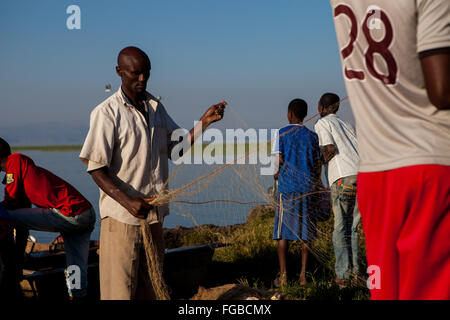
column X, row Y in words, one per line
column 405, row 215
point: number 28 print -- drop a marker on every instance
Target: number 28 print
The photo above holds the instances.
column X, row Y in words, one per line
column 375, row 47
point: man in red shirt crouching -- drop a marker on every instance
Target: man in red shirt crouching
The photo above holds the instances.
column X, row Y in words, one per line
column 59, row 208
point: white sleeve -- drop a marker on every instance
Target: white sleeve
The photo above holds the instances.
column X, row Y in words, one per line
column 324, row 133
column 99, row 144
column 170, row 124
column 433, row 24
column 92, row 165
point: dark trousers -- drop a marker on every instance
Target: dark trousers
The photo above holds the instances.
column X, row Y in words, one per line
column 11, row 259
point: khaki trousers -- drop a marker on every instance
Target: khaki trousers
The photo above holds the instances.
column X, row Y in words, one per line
column 123, row 265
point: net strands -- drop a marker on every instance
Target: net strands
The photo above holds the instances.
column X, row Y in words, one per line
column 166, row 196
column 245, row 178
column 155, row 263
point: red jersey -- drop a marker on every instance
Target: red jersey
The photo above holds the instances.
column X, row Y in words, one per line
column 25, row 180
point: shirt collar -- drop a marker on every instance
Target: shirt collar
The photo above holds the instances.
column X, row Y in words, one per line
column 295, row 124
column 127, row 102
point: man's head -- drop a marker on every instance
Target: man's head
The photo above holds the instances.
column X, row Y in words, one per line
column 5, row 151
column 133, row 66
column 328, row 103
column 297, row 111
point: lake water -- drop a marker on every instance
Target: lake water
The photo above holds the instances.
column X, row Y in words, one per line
column 239, row 183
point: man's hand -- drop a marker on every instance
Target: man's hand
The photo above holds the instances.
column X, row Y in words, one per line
column 214, row 113
column 138, row 207
column 135, row 205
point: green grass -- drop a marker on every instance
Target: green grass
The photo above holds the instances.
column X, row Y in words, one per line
column 251, row 259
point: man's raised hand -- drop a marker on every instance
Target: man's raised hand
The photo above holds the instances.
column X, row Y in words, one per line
column 214, row 113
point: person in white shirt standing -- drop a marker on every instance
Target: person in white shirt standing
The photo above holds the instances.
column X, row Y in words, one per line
column 126, row 151
column 337, row 140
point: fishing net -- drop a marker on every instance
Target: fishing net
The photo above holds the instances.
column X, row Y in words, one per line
column 222, row 192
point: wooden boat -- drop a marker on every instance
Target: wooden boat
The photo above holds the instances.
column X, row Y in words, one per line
column 184, row 269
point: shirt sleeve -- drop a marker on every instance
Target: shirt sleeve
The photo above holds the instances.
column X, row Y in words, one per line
column 92, row 165
column 170, row 123
column 99, row 144
column 433, row 24
column 171, row 126
column 13, row 190
column 16, row 171
column 323, row 131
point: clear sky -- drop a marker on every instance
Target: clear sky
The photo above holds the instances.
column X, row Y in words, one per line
column 256, row 54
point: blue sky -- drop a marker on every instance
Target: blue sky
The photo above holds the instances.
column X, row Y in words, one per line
column 257, row 55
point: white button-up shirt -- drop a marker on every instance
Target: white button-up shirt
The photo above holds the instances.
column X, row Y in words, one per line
column 333, row 130
column 134, row 149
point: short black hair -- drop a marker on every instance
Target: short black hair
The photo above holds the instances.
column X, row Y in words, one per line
column 5, row 149
column 299, row 107
column 330, row 101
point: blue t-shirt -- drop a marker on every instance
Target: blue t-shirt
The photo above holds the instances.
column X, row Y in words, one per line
column 300, row 150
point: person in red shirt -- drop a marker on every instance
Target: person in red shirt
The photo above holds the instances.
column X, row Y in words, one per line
column 59, row 208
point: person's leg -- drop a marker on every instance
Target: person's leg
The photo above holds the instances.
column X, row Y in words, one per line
column 76, row 246
column 9, row 279
column 41, row 219
column 305, row 253
column 340, row 243
column 406, row 221
column 381, row 224
column 355, row 239
column 283, row 246
column 144, row 290
column 424, row 241
column 20, row 246
column 353, row 219
column 75, row 231
column 119, row 259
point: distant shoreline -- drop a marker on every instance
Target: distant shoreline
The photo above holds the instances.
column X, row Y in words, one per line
column 48, row 148
column 67, row 148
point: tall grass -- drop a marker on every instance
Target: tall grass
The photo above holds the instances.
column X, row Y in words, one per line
column 251, row 259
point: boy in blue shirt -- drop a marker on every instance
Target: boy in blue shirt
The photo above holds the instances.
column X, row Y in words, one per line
column 298, row 175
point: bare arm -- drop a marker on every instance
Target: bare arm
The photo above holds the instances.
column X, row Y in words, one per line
column 213, row 114
column 328, row 152
column 279, row 165
column 436, row 71
column 135, row 205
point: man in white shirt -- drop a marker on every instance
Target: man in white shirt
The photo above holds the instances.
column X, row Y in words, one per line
column 337, row 140
column 396, row 65
column 127, row 150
